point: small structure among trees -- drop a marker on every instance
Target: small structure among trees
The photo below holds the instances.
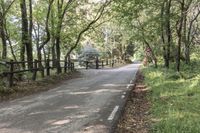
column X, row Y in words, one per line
column 88, row 54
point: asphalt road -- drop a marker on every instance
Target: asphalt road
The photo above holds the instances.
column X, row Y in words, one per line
column 90, row 104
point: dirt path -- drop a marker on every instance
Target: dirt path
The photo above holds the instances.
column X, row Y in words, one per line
column 136, row 115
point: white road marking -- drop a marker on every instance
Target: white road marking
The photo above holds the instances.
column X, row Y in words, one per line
column 124, row 93
column 122, row 96
column 112, row 115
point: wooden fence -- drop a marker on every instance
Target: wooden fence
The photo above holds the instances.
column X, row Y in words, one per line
column 46, row 66
column 38, row 66
column 102, row 63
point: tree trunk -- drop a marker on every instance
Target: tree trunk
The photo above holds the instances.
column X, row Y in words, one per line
column 29, row 47
column 187, row 54
column 25, row 34
column 39, row 54
column 186, row 38
column 10, row 43
column 58, row 54
column 3, row 37
column 152, row 56
column 57, row 38
column 168, row 32
column 179, row 34
column 53, row 52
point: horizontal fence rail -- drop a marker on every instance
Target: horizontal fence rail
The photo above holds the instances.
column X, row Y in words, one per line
column 45, row 67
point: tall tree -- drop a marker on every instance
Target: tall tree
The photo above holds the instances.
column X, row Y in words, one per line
column 166, row 30
column 61, row 10
column 26, row 43
column 3, row 11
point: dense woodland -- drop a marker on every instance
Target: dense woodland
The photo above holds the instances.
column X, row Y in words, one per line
column 165, row 31
column 166, row 28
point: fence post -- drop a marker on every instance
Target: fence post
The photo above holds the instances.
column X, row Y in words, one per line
column 10, row 75
column 35, row 69
column 86, row 64
column 102, row 64
column 106, row 61
column 71, row 67
column 65, row 67
column 48, row 67
column 97, row 63
column 112, row 63
column 41, row 67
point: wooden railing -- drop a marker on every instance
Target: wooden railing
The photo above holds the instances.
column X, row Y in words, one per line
column 102, row 63
column 45, row 67
column 42, row 66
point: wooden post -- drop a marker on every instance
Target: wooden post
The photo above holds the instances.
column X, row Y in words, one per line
column 87, row 64
column 48, row 67
column 58, row 67
column 65, row 67
column 106, row 61
column 112, row 63
column 69, row 64
column 97, row 63
column 102, row 64
column 10, row 75
column 35, row 69
column 71, row 67
column 41, row 67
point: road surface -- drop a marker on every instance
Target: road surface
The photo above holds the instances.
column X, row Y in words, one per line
column 90, row 104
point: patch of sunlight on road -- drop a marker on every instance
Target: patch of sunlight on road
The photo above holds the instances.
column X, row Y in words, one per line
column 95, row 92
column 61, row 122
column 114, row 85
column 72, row 107
column 78, row 116
column 13, row 130
column 36, row 113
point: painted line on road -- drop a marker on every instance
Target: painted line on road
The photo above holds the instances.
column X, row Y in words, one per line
column 124, row 93
column 112, row 115
column 122, row 97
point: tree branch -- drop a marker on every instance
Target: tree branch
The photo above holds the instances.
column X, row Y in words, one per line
column 98, row 16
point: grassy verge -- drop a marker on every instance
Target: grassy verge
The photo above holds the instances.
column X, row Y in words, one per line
column 175, row 99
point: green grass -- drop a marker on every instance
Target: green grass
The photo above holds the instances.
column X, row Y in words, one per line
column 175, row 100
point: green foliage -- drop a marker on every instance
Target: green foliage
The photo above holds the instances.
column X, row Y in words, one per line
column 175, row 99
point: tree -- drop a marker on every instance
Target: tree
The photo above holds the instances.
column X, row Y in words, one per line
column 26, row 41
column 3, row 12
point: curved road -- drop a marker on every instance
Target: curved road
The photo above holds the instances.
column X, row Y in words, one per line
column 90, row 104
